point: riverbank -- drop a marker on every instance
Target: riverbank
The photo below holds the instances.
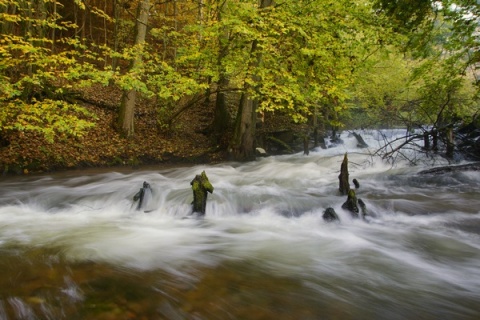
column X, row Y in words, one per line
column 188, row 140
column 185, row 142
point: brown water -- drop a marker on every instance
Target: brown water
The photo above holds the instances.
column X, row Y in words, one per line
column 72, row 245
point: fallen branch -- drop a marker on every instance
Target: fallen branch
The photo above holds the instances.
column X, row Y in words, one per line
column 445, row 169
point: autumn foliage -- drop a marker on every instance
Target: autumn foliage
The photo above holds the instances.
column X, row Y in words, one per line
column 202, row 71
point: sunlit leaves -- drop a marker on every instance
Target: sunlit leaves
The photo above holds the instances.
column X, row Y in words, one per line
column 48, row 117
column 30, row 73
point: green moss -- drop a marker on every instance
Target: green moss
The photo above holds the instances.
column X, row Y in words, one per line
column 200, row 186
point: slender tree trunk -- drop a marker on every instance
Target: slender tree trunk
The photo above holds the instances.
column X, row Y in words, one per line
column 28, row 35
column 450, row 142
column 434, row 139
column 53, row 29
column 116, row 16
column 426, row 140
column 175, row 26
column 315, row 126
column 127, row 107
column 242, row 146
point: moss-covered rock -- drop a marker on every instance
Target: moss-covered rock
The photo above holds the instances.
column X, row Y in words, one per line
column 351, row 204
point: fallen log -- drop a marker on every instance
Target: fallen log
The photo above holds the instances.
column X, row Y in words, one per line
column 453, row 168
column 360, row 142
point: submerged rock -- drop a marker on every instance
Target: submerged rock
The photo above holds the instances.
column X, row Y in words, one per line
column 329, row 215
column 363, row 208
column 356, row 183
column 343, row 184
column 200, row 186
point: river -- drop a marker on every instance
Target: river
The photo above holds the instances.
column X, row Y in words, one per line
column 72, row 245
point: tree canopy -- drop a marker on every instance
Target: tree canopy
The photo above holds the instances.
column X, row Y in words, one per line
column 341, row 62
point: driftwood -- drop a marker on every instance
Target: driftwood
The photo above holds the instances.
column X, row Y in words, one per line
column 441, row 170
column 360, row 142
column 200, row 186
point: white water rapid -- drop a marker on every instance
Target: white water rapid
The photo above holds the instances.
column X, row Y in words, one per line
column 417, row 257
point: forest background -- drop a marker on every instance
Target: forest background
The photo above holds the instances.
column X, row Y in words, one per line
column 118, row 82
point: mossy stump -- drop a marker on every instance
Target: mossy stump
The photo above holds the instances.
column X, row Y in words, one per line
column 200, row 187
column 352, row 203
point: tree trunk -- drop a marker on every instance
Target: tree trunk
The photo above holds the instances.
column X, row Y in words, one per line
column 243, row 143
column 315, row 126
column 434, row 140
column 426, row 141
column 127, row 107
column 53, row 29
column 450, row 143
column 221, row 120
column 116, row 21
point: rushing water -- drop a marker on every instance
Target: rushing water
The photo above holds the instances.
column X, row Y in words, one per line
column 73, row 245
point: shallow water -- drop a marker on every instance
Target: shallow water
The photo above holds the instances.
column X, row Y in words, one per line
column 74, row 247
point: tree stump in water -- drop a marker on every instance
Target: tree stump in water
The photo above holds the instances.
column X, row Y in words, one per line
column 356, row 183
column 360, row 142
column 200, row 186
column 344, row 185
column 140, row 195
column 351, row 204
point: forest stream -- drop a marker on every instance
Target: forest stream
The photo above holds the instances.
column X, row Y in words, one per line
column 73, row 245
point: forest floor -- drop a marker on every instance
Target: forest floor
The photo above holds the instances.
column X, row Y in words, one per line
column 187, row 140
